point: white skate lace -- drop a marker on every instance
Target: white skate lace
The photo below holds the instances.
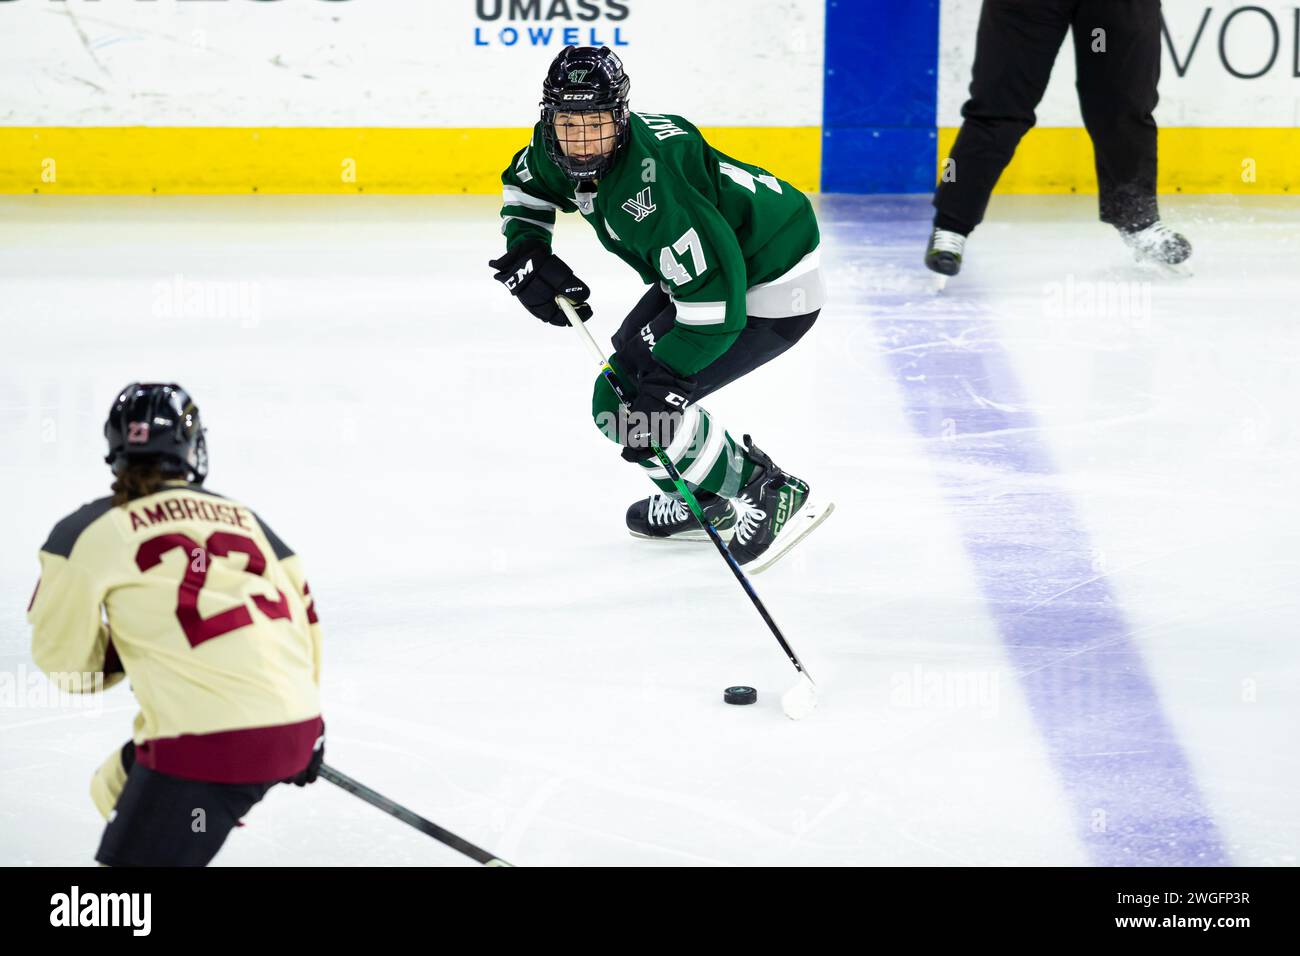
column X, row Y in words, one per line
column 665, row 509
column 751, row 517
column 945, row 241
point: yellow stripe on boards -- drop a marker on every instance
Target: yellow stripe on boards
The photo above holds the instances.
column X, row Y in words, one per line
column 208, row 160
column 1192, row 160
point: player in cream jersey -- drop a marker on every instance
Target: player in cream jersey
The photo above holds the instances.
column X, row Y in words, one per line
column 195, row 601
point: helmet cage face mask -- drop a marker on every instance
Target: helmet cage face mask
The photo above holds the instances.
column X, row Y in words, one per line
column 583, row 148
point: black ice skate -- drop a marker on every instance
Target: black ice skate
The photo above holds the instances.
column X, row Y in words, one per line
column 1159, row 244
column 666, row 516
column 775, row 514
column 944, row 254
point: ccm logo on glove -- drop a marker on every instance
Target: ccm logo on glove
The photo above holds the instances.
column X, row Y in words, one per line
column 518, row 277
column 535, row 276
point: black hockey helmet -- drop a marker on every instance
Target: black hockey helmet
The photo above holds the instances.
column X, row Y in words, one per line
column 153, row 420
column 584, row 79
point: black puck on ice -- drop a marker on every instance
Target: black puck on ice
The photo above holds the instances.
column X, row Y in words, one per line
column 740, row 695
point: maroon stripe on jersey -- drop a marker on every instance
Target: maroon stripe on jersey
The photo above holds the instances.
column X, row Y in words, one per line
column 311, row 604
column 251, row 755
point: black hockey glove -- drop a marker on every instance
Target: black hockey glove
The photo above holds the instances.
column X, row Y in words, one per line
column 535, row 276
column 312, row 770
column 656, row 412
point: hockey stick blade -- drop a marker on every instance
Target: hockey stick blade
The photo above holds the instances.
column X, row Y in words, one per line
column 801, row 699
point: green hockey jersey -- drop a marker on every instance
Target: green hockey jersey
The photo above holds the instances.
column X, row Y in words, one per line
column 714, row 231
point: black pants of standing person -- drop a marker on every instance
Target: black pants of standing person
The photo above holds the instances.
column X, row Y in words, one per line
column 1118, row 72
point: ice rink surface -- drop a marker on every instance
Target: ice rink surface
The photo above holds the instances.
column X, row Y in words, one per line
column 1055, row 617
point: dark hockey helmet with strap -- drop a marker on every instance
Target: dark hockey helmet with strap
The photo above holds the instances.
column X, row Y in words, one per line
column 584, row 79
column 150, row 420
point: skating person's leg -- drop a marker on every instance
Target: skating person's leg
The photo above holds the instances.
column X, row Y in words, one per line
column 1015, row 49
column 661, row 515
column 161, row 820
column 708, row 458
column 1117, row 49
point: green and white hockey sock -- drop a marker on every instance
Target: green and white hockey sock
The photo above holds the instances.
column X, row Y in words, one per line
column 706, row 456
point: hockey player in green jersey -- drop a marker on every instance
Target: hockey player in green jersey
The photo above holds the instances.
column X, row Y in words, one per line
column 730, row 253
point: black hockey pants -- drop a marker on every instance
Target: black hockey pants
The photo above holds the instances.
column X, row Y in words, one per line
column 1118, row 72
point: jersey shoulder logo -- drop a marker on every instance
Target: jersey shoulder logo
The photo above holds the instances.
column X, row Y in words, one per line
column 521, row 168
column 641, row 206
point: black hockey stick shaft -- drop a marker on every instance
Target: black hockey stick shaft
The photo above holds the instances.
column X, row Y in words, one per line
column 684, row 490
column 410, row 817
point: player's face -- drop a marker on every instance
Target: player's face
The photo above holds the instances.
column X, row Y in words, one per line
column 586, row 136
